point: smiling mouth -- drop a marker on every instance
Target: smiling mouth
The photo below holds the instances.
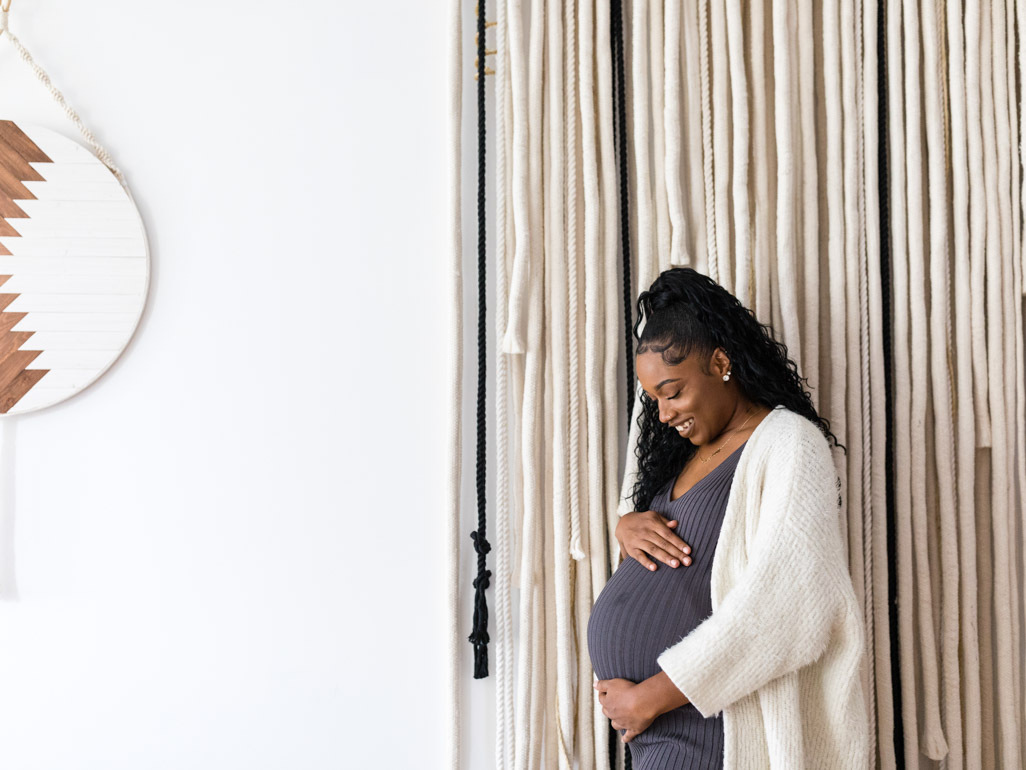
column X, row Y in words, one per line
column 684, row 428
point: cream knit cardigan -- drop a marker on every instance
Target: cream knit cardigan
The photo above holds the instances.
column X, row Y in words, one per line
column 780, row 655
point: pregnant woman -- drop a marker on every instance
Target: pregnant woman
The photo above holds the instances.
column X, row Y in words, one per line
column 744, row 647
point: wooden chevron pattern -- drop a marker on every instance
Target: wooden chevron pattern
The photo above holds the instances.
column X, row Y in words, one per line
column 74, row 268
column 17, row 151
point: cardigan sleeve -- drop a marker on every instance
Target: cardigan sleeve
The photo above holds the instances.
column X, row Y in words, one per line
column 778, row 615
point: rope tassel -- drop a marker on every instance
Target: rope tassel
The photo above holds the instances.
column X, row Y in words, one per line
column 479, row 636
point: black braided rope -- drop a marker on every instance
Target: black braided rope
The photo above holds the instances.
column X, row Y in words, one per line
column 479, row 635
column 885, row 286
column 620, row 143
column 620, row 133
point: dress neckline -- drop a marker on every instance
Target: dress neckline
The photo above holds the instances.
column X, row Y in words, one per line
column 673, row 481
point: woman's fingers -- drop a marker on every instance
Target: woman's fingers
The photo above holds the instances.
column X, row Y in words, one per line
column 642, row 558
column 656, row 551
column 650, row 537
column 653, row 551
column 675, row 546
column 670, row 536
column 659, row 550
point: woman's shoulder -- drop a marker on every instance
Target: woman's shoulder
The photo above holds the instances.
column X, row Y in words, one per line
column 794, row 453
column 790, row 436
column 786, row 421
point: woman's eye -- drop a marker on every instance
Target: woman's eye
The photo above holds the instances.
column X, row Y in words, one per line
column 676, row 394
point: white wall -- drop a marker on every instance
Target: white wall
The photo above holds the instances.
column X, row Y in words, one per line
column 227, row 553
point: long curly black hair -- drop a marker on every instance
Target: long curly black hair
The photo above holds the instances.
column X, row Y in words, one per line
column 685, row 312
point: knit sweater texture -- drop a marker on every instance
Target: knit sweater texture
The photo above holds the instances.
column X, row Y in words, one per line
column 781, row 653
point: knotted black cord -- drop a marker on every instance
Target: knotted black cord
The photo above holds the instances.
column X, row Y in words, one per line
column 620, row 132
column 479, row 635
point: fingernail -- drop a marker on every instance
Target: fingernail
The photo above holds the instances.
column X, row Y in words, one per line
column 651, row 566
column 686, row 549
column 673, row 562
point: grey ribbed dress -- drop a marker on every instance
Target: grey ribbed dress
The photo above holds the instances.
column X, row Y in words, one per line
column 639, row 613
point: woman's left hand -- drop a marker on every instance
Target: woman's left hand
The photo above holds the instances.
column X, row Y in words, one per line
column 623, row 702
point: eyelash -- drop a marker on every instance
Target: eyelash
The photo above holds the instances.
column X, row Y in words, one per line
column 668, row 398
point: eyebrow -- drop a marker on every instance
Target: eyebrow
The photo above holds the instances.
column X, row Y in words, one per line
column 665, row 382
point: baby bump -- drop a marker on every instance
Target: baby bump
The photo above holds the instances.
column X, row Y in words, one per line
column 639, row 613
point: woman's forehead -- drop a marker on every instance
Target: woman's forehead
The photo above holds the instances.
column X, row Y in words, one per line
column 653, row 360
column 653, row 372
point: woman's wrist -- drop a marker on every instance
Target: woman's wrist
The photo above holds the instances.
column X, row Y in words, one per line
column 661, row 694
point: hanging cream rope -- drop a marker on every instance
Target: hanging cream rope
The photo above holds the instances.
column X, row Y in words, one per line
column 712, row 264
column 1020, row 18
column 588, row 745
column 868, row 367
column 1008, row 254
column 996, row 243
column 55, row 92
column 645, row 228
column 557, row 329
column 673, row 124
column 504, row 514
column 809, row 225
column 740, row 142
column 532, row 685
column 577, row 549
column 878, row 684
column 965, row 424
column 1013, row 310
column 658, row 36
column 940, row 338
column 764, row 236
column 513, row 338
column 720, row 119
column 610, row 412
column 934, row 745
column 785, row 88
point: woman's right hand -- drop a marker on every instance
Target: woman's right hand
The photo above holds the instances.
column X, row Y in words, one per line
column 648, row 535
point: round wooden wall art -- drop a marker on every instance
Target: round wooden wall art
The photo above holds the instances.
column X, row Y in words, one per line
column 74, row 268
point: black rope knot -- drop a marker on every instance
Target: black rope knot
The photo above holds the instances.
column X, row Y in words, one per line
column 481, row 545
column 482, row 581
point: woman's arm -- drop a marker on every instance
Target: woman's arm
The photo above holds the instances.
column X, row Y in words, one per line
column 779, row 615
column 660, row 694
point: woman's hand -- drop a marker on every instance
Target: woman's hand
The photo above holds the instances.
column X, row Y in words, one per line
column 624, row 704
column 648, row 535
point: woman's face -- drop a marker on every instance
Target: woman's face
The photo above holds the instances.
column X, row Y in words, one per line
column 688, row 396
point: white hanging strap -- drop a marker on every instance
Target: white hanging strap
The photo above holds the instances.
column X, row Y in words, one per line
column 98, row 149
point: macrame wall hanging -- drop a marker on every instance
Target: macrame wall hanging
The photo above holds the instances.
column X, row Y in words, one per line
column 852, row 171
column 74, row 261
column 74, row 268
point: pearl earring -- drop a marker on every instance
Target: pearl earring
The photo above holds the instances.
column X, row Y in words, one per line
column 726, row 376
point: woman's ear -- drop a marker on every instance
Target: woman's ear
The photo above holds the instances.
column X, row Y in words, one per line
column 720, row 363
